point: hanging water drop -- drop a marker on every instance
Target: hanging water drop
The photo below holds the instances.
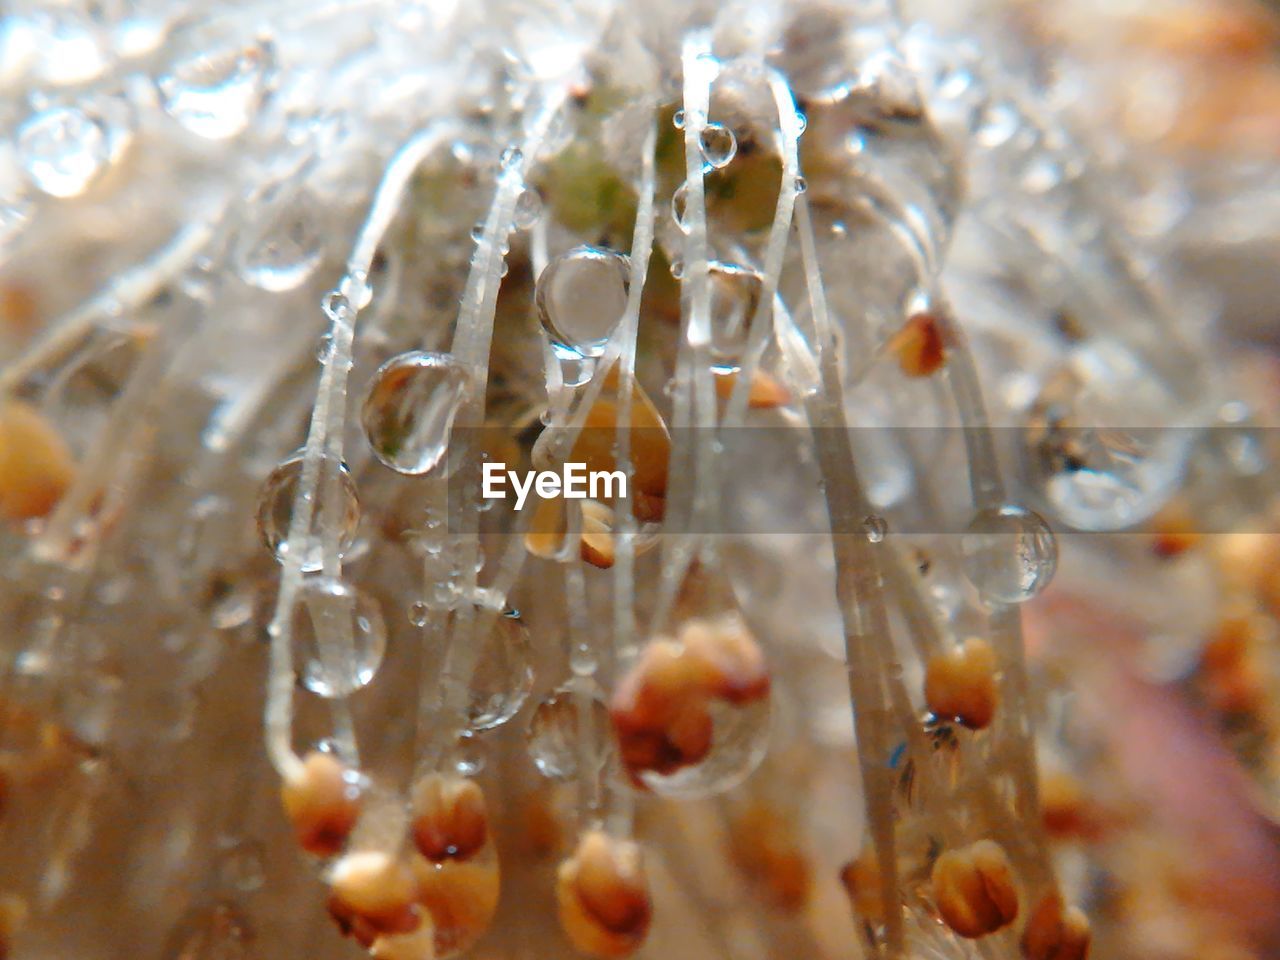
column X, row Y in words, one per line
column 409, row 412
column 1010, row 554
column 528, row 209
column 419, row 613
column 503, row 676
column 64, row 149
column 511, row 158
column 554, row 739
column 875, row 528
column 677, row 119
column 581, row 296
column 275, row 509
column 735, row 295
column 718, row 144
column 801, row 184
column 217, row 95
column 284, row 253
column 339, row 637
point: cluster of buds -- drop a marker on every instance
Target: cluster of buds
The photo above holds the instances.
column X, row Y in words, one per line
column 433, row 900
column 603, row 896
column 661, row 709
column 973, row 888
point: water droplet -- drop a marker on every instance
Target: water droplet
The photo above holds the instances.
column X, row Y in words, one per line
column 528, row 209
column 1010, row 554
column 468, row 755
column 679, row 202
column 477, row 231
column 275, row 509
column 503, row 675
column 719, row 145
column 802, row 124
column 801, row 184
column 284, row 253
column 409, row 412
column 735, row 296
column 339, row 637
column 511, row 158
column 875, row 528
column 335, row 305
column 677, row 119
column 63, row 150
column 677, row 269
column 581, row 296
column 419, row 613
column 1102, row 446
column 553, row 739
column 217, row 95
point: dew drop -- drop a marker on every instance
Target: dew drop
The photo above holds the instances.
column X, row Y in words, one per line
column 679, row 203
column 553, row 739
column 1010, row 554
column 677, row 120
column 339, row 637
column 419, row 612
column 802, row 124
column 875, row 528
column 409, row 412
column 719, row 145
column 511, row 158
column 503, row 676
column 468, row 755
column 217, row 95
column 528, row 209
column 735, row 295
column 275, row 509
column 286, row 251
column 63, row 150
column 581, row 296
column 801, row 184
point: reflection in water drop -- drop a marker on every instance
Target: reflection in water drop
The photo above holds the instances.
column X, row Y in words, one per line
column 553, row 738
column 275, row 509
column 503, row 674
column 286, row 251
column 408, row 414
column 217, row 95
column 339, row 637
column 718, row 145
column 735, row 295
column 1010, row 554
column 581, row 295
column 63, row 150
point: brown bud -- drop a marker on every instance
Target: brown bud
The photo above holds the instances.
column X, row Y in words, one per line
column 765, row 392
column 732, row 658
column 974, row 890
column 461, row 898
column 861, row 880
column 36, row 465
column 1068, row 814
column 373, row 891
column 960, row 684
column 603, row 896
column 450, row 821
column 766, row 847
column 919, row 345
column 1055, row 933
column 322, row 799
column 650, row 443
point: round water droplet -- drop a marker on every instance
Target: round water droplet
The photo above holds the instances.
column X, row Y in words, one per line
column 741, row 741
column 275, row 509
column 468, row 754
column 581, row 296
column 339, row 637
column 503, row 675
column 1010, row 554
column 553, row 737
column 283, row 254
column 875, row 528
column 719, row 145
column 511, row 158
column 801, row 184
column 679, row 202
column 216, row 95
column 528, row 209
column 408, row 414
column 1101, row 444
column 735, row 295
column 677, row 119
column 419, row 613
column 63, row 150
